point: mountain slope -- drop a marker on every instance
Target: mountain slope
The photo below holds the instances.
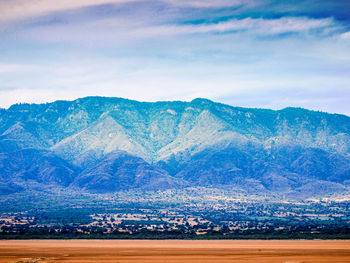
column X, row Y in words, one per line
column 119, row 171
column 34, row 168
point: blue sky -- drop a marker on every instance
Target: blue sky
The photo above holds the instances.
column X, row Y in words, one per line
column 252, row 53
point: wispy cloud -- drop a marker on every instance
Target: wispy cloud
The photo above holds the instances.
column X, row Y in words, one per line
column 126, row 30
column 209, row 3
column 345, row 35
column 20, row 9
column 259, row 26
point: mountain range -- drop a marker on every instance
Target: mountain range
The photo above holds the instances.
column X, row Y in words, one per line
column 104, row 145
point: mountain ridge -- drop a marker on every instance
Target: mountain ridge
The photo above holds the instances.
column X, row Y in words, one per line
column 199, row 99
column 200, row 143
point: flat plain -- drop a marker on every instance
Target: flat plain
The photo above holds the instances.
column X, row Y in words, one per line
column 77, row 251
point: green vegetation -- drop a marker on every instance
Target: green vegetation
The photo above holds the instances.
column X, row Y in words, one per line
column 135, row 215
column 70, row 233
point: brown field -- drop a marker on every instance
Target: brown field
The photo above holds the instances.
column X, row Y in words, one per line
column 74, row 251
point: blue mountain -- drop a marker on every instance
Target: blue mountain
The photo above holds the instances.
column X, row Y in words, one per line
column 101, row 145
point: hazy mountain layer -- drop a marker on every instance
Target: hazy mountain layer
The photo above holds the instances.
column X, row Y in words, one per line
column 102, row 145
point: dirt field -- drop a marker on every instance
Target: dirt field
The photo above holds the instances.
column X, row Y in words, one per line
column 75, row 251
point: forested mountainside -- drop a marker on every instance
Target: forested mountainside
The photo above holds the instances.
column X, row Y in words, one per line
column 103, row 145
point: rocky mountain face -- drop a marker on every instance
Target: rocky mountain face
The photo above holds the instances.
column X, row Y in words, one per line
column 102, row 145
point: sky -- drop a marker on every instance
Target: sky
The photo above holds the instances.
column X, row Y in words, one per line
column 250, row 53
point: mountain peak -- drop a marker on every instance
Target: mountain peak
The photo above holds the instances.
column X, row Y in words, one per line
column 202, row 101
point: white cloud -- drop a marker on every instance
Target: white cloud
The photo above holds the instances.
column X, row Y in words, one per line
column 259, row 26
column 345, row 35
column 208, row 3
column 20, row 9
column 12, row 10
column 13, row 68
column 123, row 31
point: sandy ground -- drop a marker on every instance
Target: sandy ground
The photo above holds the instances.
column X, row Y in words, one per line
column 75, row 251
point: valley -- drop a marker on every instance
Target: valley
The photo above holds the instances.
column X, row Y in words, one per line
column 194, row 213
